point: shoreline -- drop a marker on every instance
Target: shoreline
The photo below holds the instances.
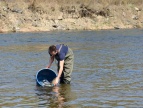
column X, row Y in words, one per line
column 39, row 16
column 9, row 32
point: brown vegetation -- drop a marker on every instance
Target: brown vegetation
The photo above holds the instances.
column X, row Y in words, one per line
column 45, row 15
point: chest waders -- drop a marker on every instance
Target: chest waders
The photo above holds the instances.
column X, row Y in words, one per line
column 68, row 66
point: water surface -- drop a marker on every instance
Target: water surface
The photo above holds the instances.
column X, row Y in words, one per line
column 108, row 69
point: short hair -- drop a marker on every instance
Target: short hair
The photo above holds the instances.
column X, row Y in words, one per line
column 52, row 48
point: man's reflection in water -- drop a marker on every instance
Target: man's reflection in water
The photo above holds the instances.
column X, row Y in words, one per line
column 59, row 98
column 55, row 97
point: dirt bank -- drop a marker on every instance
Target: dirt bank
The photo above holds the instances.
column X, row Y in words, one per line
column 47, row 15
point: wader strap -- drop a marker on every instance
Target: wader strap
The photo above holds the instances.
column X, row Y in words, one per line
column 59, row 49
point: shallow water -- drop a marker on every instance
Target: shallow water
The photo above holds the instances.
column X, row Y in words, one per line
column 108, row 69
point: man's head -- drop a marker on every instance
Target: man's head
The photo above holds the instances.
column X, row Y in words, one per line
column 52, row 50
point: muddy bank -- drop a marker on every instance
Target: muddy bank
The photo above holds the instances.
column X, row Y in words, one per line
column 27, row 16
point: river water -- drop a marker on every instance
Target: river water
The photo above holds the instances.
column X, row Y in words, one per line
column 108, row 69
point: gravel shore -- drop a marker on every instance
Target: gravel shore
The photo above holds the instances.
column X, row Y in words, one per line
column 29, row 16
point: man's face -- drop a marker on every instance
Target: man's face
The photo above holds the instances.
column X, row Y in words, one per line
column 53, row 53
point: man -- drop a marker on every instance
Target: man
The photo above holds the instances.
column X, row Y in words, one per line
column 65, row 57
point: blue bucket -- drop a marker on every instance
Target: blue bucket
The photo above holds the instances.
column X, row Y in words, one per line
column 45, row 76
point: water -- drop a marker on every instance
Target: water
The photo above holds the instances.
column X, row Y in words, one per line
column 108, row 69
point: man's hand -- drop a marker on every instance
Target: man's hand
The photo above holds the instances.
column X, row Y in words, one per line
column 56, row 81
column 47, row 67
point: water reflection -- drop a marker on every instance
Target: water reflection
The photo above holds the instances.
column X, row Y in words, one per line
column 55, row 97
column 26, row 48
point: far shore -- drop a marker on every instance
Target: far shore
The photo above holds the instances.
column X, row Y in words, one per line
column 20, row 16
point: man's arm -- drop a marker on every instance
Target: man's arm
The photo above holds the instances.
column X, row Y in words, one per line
column 61, row 68
column 50, row 61
column 59, row 73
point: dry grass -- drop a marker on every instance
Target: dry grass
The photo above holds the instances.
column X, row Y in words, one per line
column 119, row 2
column 56, row 4
column 88, row 2
column 99, row 4
column 77, row 2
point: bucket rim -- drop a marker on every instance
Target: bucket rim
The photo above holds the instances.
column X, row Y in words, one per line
column 41, row 70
